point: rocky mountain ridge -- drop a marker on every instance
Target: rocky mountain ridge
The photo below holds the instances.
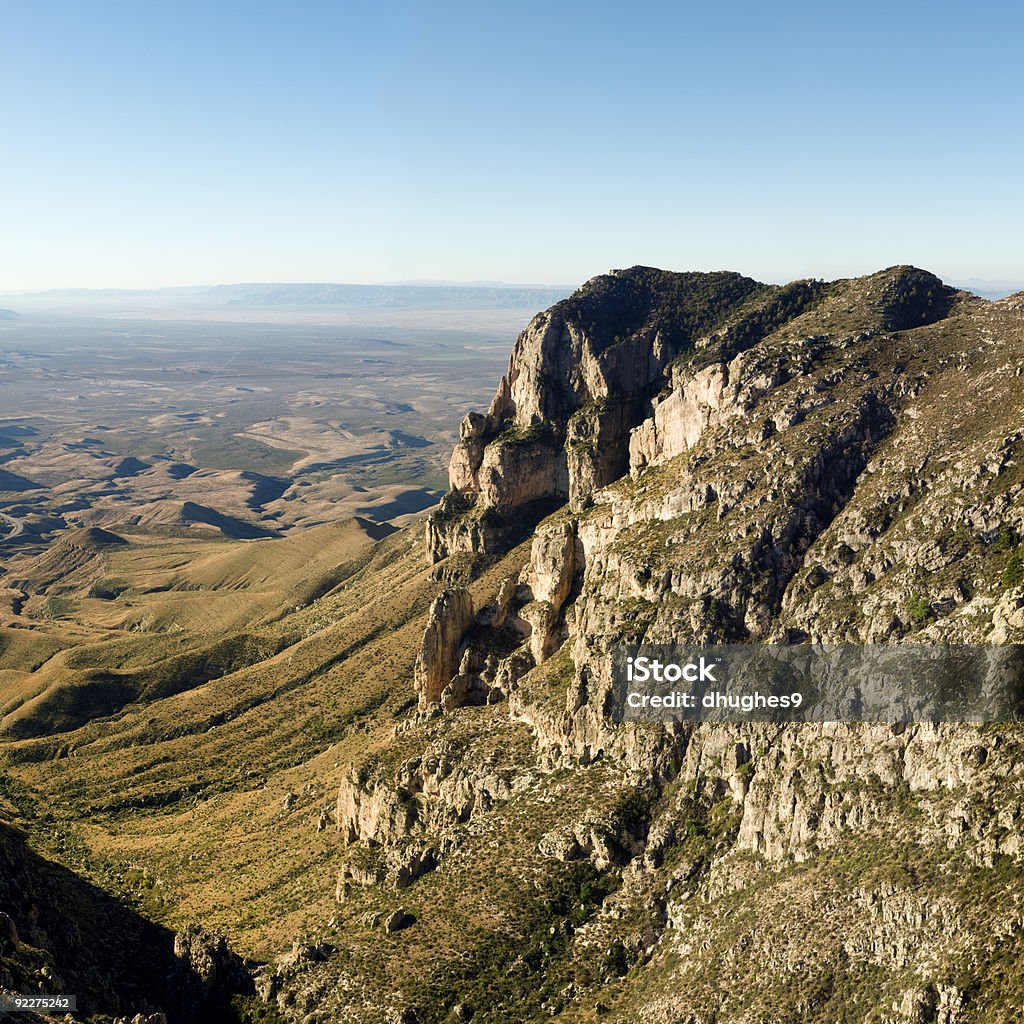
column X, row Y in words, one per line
column 837, row 463
column 749, row 462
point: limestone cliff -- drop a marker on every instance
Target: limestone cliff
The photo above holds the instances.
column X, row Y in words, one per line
column 581, row 376
column 450, row 616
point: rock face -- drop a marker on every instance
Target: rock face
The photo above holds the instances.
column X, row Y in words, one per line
column 397, row 920
column 581, row 376
column 801, row 435
column 549, row 579
column 450, row 616
column 210, row 974
column 695, row 401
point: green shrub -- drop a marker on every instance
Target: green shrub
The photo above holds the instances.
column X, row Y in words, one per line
column 108, row 589
column 535, row 433
column 1013, row 572
column 1007, row 540
column 919, row 609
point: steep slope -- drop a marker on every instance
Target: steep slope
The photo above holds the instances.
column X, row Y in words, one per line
column 403, row 794
column 59, row 934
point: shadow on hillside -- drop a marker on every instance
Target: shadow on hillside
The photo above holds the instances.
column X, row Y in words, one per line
column 15, row 483
column 94, row 947
column 237, row 529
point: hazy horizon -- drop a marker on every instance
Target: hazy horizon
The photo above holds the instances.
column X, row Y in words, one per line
column 987, row 287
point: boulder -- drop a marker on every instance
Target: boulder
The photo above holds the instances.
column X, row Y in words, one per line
column 397, row 920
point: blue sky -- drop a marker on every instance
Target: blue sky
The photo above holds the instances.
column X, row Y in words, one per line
column 148, row 144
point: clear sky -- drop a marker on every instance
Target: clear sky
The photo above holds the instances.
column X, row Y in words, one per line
column 161, row 143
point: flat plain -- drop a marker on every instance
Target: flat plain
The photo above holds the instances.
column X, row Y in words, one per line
column 174, row 414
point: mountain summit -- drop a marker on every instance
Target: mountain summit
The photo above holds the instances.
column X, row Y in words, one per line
column 590, row 370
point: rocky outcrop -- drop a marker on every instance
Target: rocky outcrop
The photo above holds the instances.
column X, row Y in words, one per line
column 210, row 973
column 1008, row 618
column 398, row 919
column 399, row 823
column 549, row 578
column 581, row 376
column 678, row 421
column 421, row 795
column 551, row 571
column 450, row 616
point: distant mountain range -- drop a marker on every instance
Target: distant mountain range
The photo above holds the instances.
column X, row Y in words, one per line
column 439, row 295
column 997, row 289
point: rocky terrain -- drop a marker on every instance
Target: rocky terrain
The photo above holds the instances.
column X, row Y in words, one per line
column 400, row 795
